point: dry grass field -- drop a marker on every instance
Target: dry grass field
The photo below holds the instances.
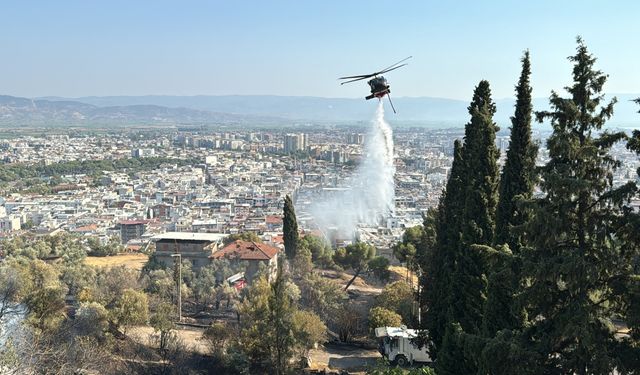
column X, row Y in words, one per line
column 400, row 273
column 134, row 260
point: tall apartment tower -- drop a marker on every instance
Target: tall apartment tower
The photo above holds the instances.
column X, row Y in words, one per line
column 295, row 142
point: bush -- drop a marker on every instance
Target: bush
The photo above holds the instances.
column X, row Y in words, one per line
column 308, row 330
column 218, row 336
column 91, row 319
column 381, row 317
column 237, row 361
column 398, row 297
column 380, row 268
column 346, row 321
column 382, row 368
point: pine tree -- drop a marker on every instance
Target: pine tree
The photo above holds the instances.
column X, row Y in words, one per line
column 290, row 229
column 356, row 257
column 578, row 263
column 518, row 175
column 437, row 263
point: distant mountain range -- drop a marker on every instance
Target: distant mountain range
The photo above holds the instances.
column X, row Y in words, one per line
column 15, row 111
column 257, row 110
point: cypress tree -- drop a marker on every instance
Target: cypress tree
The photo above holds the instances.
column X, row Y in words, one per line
column 518, row 174
column 281, row 314
column 449, row 359
column 578, row 263
column 516, row 183
column 500, row 312
column 634, row 142
column 438, row 264
column 476, row 225
column 630, row 349
column 290, row 229
column 480, row 156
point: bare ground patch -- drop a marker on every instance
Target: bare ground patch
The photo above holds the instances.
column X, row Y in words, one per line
column 133, row 260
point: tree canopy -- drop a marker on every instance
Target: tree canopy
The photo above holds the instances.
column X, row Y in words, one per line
column 355, row 257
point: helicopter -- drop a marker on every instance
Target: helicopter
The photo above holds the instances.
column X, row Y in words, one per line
column 379, row 85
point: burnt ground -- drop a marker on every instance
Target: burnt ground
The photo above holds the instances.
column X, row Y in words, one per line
column 332, row 356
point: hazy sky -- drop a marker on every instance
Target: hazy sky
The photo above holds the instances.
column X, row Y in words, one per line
column 300, row 47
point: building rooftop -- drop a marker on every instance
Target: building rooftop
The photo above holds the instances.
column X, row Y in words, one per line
column 134, row 222
column 190, row 236
column 246, row 250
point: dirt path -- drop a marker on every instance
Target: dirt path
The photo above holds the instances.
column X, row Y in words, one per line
column 342, row 357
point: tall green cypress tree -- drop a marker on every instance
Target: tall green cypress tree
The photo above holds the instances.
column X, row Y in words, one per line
column 438, row 264
column 630, row 348
column 634, row 142
column 290, row 229
column 281, row 315
column 500, row 311
column 518, row 174
column 516, row 182
column 480, row 156
column 451, row 357
column 578, row 262
column 468, row 282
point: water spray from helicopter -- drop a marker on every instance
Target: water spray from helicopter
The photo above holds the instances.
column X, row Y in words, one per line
column 369, row 196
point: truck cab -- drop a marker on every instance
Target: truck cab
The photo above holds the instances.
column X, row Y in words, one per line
column 395, row 344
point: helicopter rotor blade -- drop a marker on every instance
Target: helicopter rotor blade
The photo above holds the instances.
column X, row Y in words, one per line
column 360, row 76
column 392, row 65
column 353, row 80
column 388, row 70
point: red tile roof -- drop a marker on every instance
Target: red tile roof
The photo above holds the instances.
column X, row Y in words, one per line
column 246, row 250
column 273, row 219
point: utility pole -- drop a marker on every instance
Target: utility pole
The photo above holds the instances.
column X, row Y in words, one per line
column 179, row 284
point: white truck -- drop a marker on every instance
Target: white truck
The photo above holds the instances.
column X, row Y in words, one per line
column 395, row 345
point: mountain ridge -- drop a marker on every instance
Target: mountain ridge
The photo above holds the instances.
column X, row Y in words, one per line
column 258, row 110
column 17, row 111
column 430, row 109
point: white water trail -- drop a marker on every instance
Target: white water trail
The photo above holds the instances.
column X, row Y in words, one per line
column 370, row 198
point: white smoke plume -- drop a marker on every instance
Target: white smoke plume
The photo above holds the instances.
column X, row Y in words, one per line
column 369, row 196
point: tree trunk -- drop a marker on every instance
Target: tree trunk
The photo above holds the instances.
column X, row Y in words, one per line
column 352, row 279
